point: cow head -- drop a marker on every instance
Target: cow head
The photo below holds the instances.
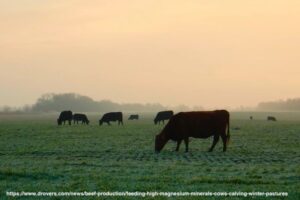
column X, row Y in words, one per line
column 87, row 122
column 155, row 121
column 59, row 122
column 160, row 141
column 100, row 122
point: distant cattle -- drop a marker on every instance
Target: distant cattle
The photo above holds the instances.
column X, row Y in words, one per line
column 112, row 116
column 132, row 117
column 80, row 118
column 271, row 118
column 195, row 124
column 163, row 115
column 65, row 116
column 251, row 118
column 236, row 128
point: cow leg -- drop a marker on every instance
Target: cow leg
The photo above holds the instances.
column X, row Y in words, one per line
column 178, row 144
column 186, row 142
column 216, row 139
column 224, row 139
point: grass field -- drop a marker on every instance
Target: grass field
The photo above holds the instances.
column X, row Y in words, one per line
column 37, row 155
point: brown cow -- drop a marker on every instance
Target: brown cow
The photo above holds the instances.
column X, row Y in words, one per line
column 195, row 124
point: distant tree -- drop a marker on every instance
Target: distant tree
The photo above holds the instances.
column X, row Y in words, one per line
column 7, row 109
column 79, row 103
column 281, row 105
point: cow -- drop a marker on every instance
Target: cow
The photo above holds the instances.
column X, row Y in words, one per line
column 112, row 116
column 271, row 118
column 80, row 117
column 132, row 117
column 65, row 116
column 251, row 118
column 163, row 115
column 200, row 124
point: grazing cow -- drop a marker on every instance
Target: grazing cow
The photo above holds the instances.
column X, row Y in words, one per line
column 112, row 116
column 132, row 117
column 271, row 118
column 163, row 115
column 195, row 124
column 251, row 118
column 65, row 116
column 80, row 117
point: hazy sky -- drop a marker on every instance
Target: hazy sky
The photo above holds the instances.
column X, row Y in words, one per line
column 213, row 53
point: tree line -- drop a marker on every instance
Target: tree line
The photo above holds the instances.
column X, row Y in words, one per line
column 80, row 103
column 281, row 105
column 71, row 101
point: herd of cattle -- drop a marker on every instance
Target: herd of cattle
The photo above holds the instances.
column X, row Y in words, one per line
column 181, row 126
column 68, row 116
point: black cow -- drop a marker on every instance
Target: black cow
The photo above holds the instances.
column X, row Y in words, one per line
column 112, row 116
column 271, row 118
column 251, row 118
column 65, row 116
column 80, row 117
column 202, row 124
column 163, row 115
column 132, row 117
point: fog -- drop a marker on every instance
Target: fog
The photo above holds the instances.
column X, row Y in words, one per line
column 211, row 53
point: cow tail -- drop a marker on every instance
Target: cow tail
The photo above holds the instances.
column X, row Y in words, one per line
column 228, row 133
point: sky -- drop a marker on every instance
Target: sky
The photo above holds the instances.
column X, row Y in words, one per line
column 210, row 53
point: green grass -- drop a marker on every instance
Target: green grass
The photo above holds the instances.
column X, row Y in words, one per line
column 37, row 155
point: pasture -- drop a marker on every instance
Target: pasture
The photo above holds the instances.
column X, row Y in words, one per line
column 38, row 155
